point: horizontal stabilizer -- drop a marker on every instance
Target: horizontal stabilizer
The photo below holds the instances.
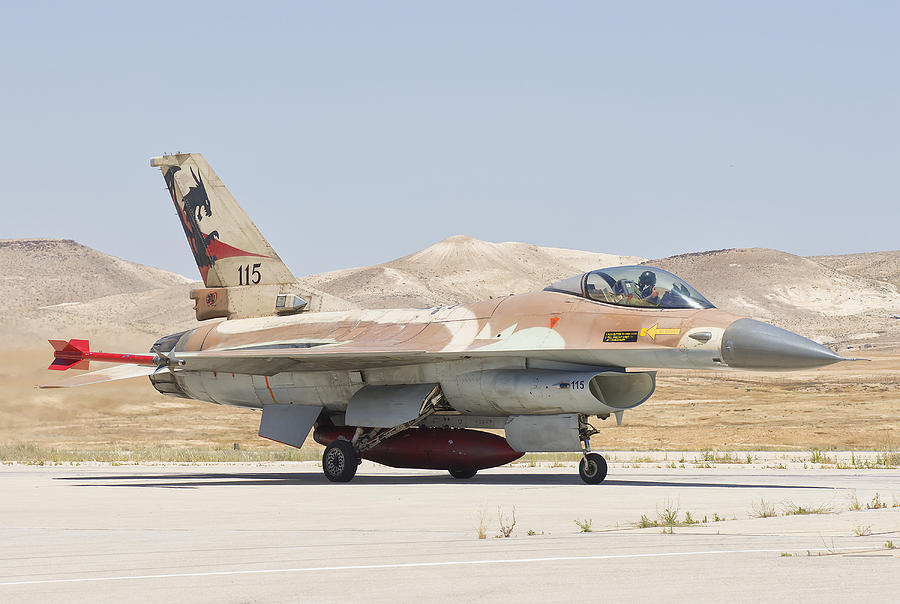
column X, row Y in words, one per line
column 118, row 372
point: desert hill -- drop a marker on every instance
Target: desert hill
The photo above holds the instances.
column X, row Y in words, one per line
column 800, row 294
column 43, row 272
column 460, row 269
column 60, row 288
column 883, row 266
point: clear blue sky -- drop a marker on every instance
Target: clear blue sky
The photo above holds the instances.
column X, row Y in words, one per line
column 354, row 133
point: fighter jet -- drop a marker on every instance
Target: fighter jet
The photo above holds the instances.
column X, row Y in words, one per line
column 419, row 388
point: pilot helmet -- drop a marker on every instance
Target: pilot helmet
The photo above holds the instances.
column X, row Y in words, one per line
column 647, row 279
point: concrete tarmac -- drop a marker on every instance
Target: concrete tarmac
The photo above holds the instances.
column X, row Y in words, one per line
column 281, row 533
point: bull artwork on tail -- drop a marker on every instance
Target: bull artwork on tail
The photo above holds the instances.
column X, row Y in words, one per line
column 194, row 205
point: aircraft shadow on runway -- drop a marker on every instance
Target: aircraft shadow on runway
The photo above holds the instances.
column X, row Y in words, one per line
column 198, row 480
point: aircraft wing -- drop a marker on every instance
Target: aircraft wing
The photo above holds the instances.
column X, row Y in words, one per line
column 349, row 358
column 270, row 362
column 118, row 372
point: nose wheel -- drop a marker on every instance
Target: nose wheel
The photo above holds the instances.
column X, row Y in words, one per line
column 592, row 468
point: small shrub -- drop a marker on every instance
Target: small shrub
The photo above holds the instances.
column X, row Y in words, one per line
column 818, row 456
column 876, row 504
column 506, row 525
column 762, row 509
column 887, row 459
column 889, row 545
column 584, row 525
column 863, row 531
column 669, row 515
column 853, row 503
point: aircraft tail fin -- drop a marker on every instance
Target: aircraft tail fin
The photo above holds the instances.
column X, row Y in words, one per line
column 243, row 275
column 229, row 249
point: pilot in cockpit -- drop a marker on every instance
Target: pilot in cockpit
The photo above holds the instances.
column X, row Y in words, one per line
column 647, row 287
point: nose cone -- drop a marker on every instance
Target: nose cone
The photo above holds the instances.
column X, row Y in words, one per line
column 749, row 344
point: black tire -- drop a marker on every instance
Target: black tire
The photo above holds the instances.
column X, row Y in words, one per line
column 462, row 474
column 592, row 468
column 339, row 462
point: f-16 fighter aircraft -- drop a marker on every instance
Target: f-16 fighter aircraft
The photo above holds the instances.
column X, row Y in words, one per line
column 417, row 388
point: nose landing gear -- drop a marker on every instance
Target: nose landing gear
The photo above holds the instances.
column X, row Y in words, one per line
column 592, row 467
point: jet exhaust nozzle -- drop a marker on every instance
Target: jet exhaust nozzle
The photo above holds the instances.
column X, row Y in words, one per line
column 750, row 344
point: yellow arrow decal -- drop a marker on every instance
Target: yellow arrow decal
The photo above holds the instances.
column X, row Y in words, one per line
column 656, row 330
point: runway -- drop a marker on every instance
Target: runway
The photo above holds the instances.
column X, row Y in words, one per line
column 281, row 533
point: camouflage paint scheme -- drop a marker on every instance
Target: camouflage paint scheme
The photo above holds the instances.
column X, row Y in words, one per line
column 317, row 357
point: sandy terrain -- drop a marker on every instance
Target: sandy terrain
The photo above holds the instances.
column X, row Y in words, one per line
column 884, row 266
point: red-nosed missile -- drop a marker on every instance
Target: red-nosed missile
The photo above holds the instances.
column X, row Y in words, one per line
column 77, row 354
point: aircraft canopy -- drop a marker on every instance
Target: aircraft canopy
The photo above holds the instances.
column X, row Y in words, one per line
column 637, row 286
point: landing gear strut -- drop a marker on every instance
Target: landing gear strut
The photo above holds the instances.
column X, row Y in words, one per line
column 343, row 457
column 339, row 462
column 592, row 467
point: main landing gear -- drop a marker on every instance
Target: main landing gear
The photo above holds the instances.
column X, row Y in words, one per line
column 340, row 461
column 592, row 467
column 342, row 457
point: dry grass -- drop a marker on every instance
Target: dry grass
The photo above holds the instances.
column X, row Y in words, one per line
column 481, row 526
column 789, row 508
column 668, row 517
column 34, row 454
column 876, row 503
column 506, row 523
column 762, row 509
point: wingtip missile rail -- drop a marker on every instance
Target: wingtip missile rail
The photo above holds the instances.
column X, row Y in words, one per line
column 77, row 354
